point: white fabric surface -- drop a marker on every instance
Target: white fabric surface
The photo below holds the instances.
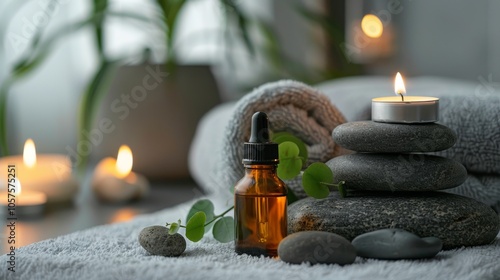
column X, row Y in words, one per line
column 113, row 252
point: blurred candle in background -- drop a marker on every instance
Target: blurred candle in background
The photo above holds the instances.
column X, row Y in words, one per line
column 17, row 202
column 50, row 174
column 114, row 181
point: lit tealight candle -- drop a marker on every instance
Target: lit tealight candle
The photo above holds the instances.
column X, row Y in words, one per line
column 404, row 109
column 114, row 180
column 50, row 174
column 16, row 202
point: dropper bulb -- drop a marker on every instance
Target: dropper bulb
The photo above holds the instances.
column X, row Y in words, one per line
column 260, row 128
column 259, row 149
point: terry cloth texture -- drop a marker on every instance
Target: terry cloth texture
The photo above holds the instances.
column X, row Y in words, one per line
column 291, row 106
column 113, row 252
column 470, row 109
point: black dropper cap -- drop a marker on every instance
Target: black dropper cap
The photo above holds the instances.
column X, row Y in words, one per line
column 259, row 149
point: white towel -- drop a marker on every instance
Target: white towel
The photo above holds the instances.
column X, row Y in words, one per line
column 113, row 252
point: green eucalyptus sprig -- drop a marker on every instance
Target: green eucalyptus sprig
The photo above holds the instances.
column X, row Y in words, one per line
column 200, row 219
column 317, row 181
column 317, row 178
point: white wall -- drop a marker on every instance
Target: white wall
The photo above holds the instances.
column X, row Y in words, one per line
column 450, row 38
column 494, row 38
column 446, row 38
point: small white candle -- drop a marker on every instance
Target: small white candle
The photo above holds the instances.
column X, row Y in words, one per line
column 114, row 180
column 404, row 109
column 17, row 202
column 50, row 174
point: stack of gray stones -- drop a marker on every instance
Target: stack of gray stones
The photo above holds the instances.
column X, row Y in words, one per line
column 393, row 183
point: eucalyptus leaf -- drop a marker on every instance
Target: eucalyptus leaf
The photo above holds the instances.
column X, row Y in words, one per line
column 206, row 206
column 223, row 230
column 290, row 162
column 284, row 136
column 174, row 227
column 195, row 227
column 315, row 180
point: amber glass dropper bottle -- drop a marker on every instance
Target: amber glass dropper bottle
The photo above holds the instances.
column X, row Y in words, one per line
column 260, row 203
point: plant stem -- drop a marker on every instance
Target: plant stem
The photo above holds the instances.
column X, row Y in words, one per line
column 340, row 187
column 179, row 225
column 224, row 213
column 341, row 183
column 218, row 216
column 211, row 221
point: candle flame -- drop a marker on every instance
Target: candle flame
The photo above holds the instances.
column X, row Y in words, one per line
column 372, row 26
column 399, row 85
column 124, row 161
column 29, row 153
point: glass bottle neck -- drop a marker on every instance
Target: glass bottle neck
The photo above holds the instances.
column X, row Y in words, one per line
column 260, row 168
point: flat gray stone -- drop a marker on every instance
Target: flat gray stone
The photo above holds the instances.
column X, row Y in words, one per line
column 396, row 244
column 391, row 172
column 456, row 220
column 376, row 137
column 316, row 247
column 157, row 241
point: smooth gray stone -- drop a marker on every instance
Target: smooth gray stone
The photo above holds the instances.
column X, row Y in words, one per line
column 316, row 247
column 376, row 137
column 396, row 244
column 157, row 241
column 404, row 172
column 456, row 220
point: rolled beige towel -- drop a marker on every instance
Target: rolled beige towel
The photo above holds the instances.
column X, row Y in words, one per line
column 291, row 106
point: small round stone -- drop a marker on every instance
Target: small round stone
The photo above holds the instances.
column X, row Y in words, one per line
column 377, row 137
column 456, row 220
column 157, row 241
column 396, row 244
column 316, row 247
column 391, row 172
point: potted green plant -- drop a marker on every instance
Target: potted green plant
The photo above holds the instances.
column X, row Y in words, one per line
column 160, row 128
